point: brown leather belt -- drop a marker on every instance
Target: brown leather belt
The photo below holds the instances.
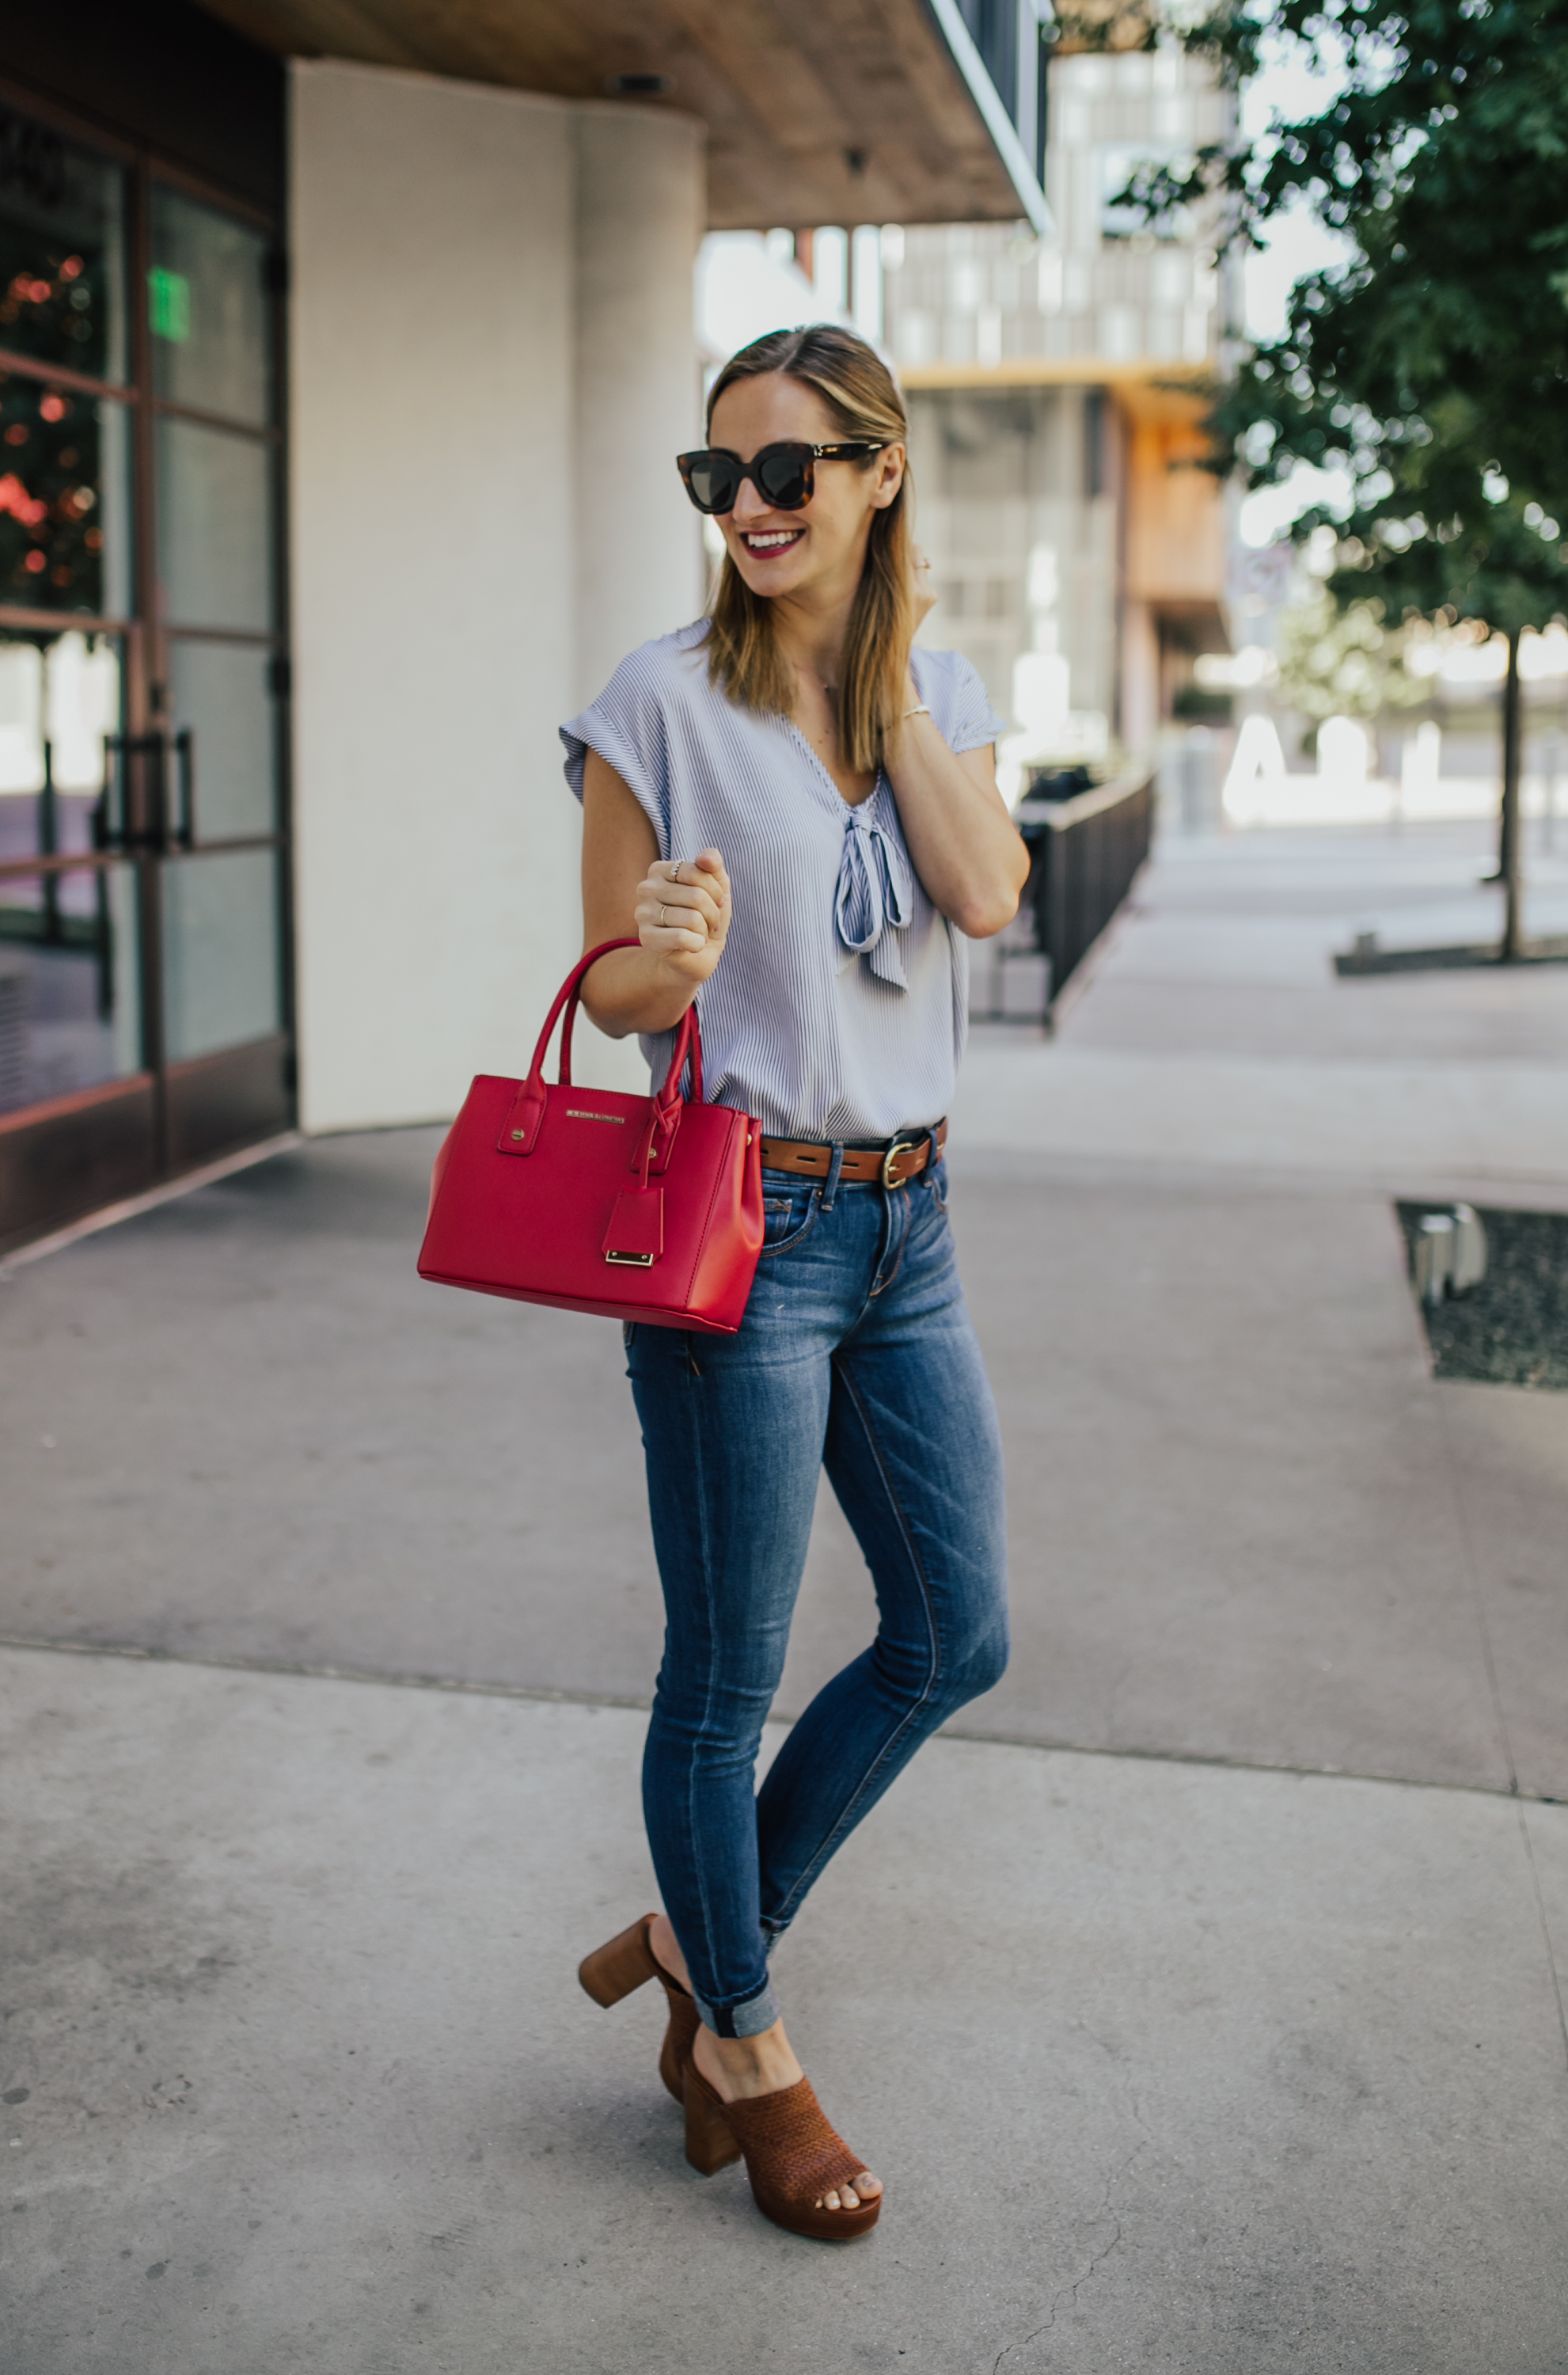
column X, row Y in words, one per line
column 904, row 1157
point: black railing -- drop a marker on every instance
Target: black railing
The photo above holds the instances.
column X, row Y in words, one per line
column 1085, row 851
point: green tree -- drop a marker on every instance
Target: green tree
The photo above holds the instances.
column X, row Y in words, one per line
column 1433, row 370
column 1339, row 660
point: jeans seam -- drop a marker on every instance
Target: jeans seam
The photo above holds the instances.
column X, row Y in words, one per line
column 704, row 1540
column 845, row 1822
column 880, row 1285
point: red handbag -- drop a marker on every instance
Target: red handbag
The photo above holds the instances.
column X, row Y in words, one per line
column 639, row 1208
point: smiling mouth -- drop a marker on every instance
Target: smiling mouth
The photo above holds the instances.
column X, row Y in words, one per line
column 772, row 539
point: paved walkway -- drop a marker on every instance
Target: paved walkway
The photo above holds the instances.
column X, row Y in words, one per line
column 1223, row 1943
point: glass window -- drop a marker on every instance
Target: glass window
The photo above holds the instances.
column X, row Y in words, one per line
column 208, row 311
column 62, row 251
column 69, row 1011
column 65, row 500
column 60, row 696
column 221, row 695
column 214, row 527
column 223, row 978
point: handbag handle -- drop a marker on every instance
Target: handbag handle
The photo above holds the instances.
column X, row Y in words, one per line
column 529, row 1111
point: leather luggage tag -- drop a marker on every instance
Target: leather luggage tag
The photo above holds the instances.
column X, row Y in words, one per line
column 636, row 1232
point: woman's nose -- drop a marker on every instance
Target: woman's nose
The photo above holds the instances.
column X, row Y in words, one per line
column 749, row 503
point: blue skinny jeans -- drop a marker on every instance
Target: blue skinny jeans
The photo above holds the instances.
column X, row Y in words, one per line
column 858, row 1354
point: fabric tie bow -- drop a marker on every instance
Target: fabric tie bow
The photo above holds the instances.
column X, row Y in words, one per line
column 875, row 898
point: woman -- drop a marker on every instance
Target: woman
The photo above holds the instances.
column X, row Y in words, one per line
column 795, row 743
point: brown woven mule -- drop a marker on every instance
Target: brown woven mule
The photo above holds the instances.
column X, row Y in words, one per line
column 792, row 2155
column 627, row 1963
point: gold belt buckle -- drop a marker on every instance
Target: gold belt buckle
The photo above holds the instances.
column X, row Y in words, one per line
column 899, row 1146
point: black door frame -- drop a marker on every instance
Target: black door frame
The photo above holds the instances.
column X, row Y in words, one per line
column 75, row 1153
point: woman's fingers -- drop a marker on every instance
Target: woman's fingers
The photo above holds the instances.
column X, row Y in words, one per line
column 684, row 898
column 683, row 908
column 687, row 901
column 706, row 874
column 922, row 584
column 711, row 868
column 656, row 913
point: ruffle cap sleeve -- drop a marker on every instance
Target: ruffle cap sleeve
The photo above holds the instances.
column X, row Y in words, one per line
column 628, row 727
column 959, row 702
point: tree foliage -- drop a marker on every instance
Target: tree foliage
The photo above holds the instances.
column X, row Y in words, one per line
column 1433, row 370
column 1337, row 660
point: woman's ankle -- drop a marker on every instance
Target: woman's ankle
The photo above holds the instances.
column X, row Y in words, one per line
column 764, row 2065
column 667, row 1952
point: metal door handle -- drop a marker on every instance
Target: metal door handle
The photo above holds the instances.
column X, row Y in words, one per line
column 186, row 766
column 115, row 826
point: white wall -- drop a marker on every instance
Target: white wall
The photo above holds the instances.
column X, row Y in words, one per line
column 641, row 204
column 641, row 209
column 439, row 363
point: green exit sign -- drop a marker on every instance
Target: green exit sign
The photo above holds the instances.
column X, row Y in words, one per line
column 169, row 305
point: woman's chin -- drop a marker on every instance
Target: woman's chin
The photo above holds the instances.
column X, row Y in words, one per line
column 769, row 578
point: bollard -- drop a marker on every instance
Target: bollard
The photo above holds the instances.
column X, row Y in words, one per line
column 1470, row 1249
column 1434, row 1257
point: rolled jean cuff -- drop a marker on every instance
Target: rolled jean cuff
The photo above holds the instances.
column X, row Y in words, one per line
column 749, row 2020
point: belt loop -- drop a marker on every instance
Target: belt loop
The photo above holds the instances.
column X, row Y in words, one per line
column 834, row 1167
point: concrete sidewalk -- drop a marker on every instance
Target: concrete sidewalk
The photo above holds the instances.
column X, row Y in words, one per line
column 1227, row 1943
column 1216, row 1032
column 1198, row 2071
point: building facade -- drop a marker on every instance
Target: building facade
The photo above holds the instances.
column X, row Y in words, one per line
column 1056, row 386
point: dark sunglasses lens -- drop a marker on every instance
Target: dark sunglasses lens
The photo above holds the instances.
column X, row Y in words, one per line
column 714, row 483
column 782, row 475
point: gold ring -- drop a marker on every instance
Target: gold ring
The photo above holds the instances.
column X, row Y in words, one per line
column 662, row 924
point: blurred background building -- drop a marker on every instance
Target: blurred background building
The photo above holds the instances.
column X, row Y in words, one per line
column 1055, row 382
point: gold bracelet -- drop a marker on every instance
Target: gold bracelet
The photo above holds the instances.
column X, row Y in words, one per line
column 921, row 709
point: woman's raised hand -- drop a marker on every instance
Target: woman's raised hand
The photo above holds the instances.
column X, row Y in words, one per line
column 683, row 911
column 921, row 584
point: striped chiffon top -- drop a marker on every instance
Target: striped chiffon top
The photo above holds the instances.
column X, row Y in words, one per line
column 839, row 1007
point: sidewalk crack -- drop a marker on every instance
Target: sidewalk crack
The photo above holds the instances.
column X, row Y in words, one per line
column 1069, row 2292
column 1545, row 1929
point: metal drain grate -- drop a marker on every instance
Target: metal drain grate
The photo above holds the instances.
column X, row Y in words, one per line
column 1511, row 1328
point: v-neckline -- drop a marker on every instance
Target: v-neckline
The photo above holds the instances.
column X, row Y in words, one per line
column 850, row 808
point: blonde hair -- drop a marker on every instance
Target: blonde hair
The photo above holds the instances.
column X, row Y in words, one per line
column 744, row 657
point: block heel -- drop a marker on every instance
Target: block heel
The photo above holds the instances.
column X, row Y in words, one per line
column 623, row 1965
column 710, row 2139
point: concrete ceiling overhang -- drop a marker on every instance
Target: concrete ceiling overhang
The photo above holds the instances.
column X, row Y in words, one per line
column 817, row 111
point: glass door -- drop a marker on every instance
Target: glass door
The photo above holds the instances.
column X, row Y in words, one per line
column 143, row 1011
column 219, row 673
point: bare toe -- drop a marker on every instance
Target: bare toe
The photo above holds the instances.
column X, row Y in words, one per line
column 853, row 2194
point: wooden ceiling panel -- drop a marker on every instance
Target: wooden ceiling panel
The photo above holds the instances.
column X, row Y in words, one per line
column 817, row 111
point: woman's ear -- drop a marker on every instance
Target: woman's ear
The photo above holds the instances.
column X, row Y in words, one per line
column 889, row 476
